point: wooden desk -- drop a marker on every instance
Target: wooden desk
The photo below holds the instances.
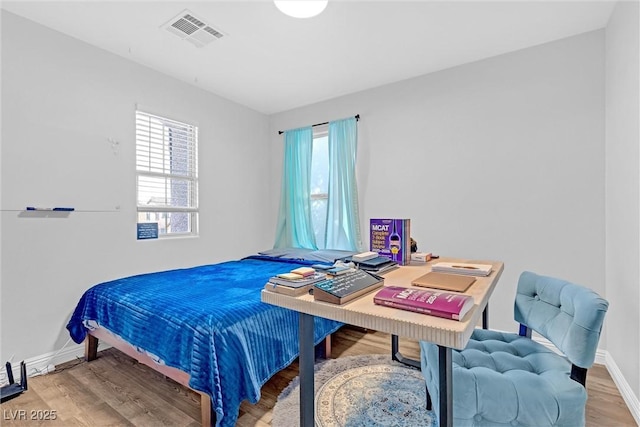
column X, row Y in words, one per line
column 447, row 334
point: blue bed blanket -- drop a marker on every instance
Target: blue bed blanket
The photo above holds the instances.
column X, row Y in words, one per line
column 207, row 321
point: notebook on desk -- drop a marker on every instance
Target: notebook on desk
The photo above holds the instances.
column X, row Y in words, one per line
column 444, row 281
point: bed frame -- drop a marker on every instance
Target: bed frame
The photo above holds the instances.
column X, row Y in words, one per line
column 181, row 377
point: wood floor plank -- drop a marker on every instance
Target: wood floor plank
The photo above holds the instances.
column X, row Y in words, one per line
column 141, row 406
column 182, row 398
column 115, row 390
column 71, row 401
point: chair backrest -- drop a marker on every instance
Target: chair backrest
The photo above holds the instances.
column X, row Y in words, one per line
column 568, row 315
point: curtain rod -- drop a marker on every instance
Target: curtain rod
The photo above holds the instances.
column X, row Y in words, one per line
column 357, row 116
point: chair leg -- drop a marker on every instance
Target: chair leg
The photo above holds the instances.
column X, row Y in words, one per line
column 579, row 374
column 429, row 403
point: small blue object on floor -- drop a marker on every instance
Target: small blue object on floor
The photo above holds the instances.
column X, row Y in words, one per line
column 503, row 379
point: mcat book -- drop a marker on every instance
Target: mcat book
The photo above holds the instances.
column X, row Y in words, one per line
column 428, row 301
column 391, row 238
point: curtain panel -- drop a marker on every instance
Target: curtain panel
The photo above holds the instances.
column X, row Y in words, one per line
column 343, row 223
column 294, row 227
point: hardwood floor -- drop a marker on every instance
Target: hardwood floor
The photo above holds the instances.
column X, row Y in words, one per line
column 115, row 390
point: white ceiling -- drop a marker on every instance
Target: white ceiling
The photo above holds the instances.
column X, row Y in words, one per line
column 271, row 62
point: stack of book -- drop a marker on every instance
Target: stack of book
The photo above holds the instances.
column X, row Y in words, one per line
column 296, row 282
column 391, row 238
column 462, row 268
column 377, row 265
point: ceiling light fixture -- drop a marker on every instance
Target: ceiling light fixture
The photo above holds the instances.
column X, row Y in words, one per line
column 301, row 8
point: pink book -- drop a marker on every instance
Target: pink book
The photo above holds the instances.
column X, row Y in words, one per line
column 427, row 301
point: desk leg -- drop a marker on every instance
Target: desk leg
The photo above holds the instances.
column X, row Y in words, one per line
column 485, row 317
column 446, row 386
column 398, row 357
column 307, row 356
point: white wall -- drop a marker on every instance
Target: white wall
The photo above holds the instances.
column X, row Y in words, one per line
column 623, row 191
column 62, row 101
column 498, row 159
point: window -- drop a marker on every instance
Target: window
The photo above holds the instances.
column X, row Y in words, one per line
column 319, row 198
column 320, row 183
column 167, row 174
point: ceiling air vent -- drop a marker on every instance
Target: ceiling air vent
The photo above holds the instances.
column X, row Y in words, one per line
column 192, row 29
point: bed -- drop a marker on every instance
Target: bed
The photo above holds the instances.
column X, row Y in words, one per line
column 204, row 326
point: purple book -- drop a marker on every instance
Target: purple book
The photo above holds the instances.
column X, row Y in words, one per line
column 427, row 301
column 391, row 238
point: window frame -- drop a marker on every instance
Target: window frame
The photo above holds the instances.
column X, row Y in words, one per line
column 191, row 177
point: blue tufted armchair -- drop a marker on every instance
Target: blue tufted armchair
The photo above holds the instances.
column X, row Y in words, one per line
column 503, row 379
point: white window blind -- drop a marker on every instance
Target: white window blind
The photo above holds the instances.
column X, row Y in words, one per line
column 167, row 173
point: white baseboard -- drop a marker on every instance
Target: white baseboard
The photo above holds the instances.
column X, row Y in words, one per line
column 623, row 386
column 46, row 363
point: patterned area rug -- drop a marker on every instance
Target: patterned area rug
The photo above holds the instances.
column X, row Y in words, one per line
column 369, row 390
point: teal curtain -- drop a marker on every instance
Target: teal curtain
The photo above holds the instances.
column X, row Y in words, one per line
column 343, row 224
column 294, row 227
